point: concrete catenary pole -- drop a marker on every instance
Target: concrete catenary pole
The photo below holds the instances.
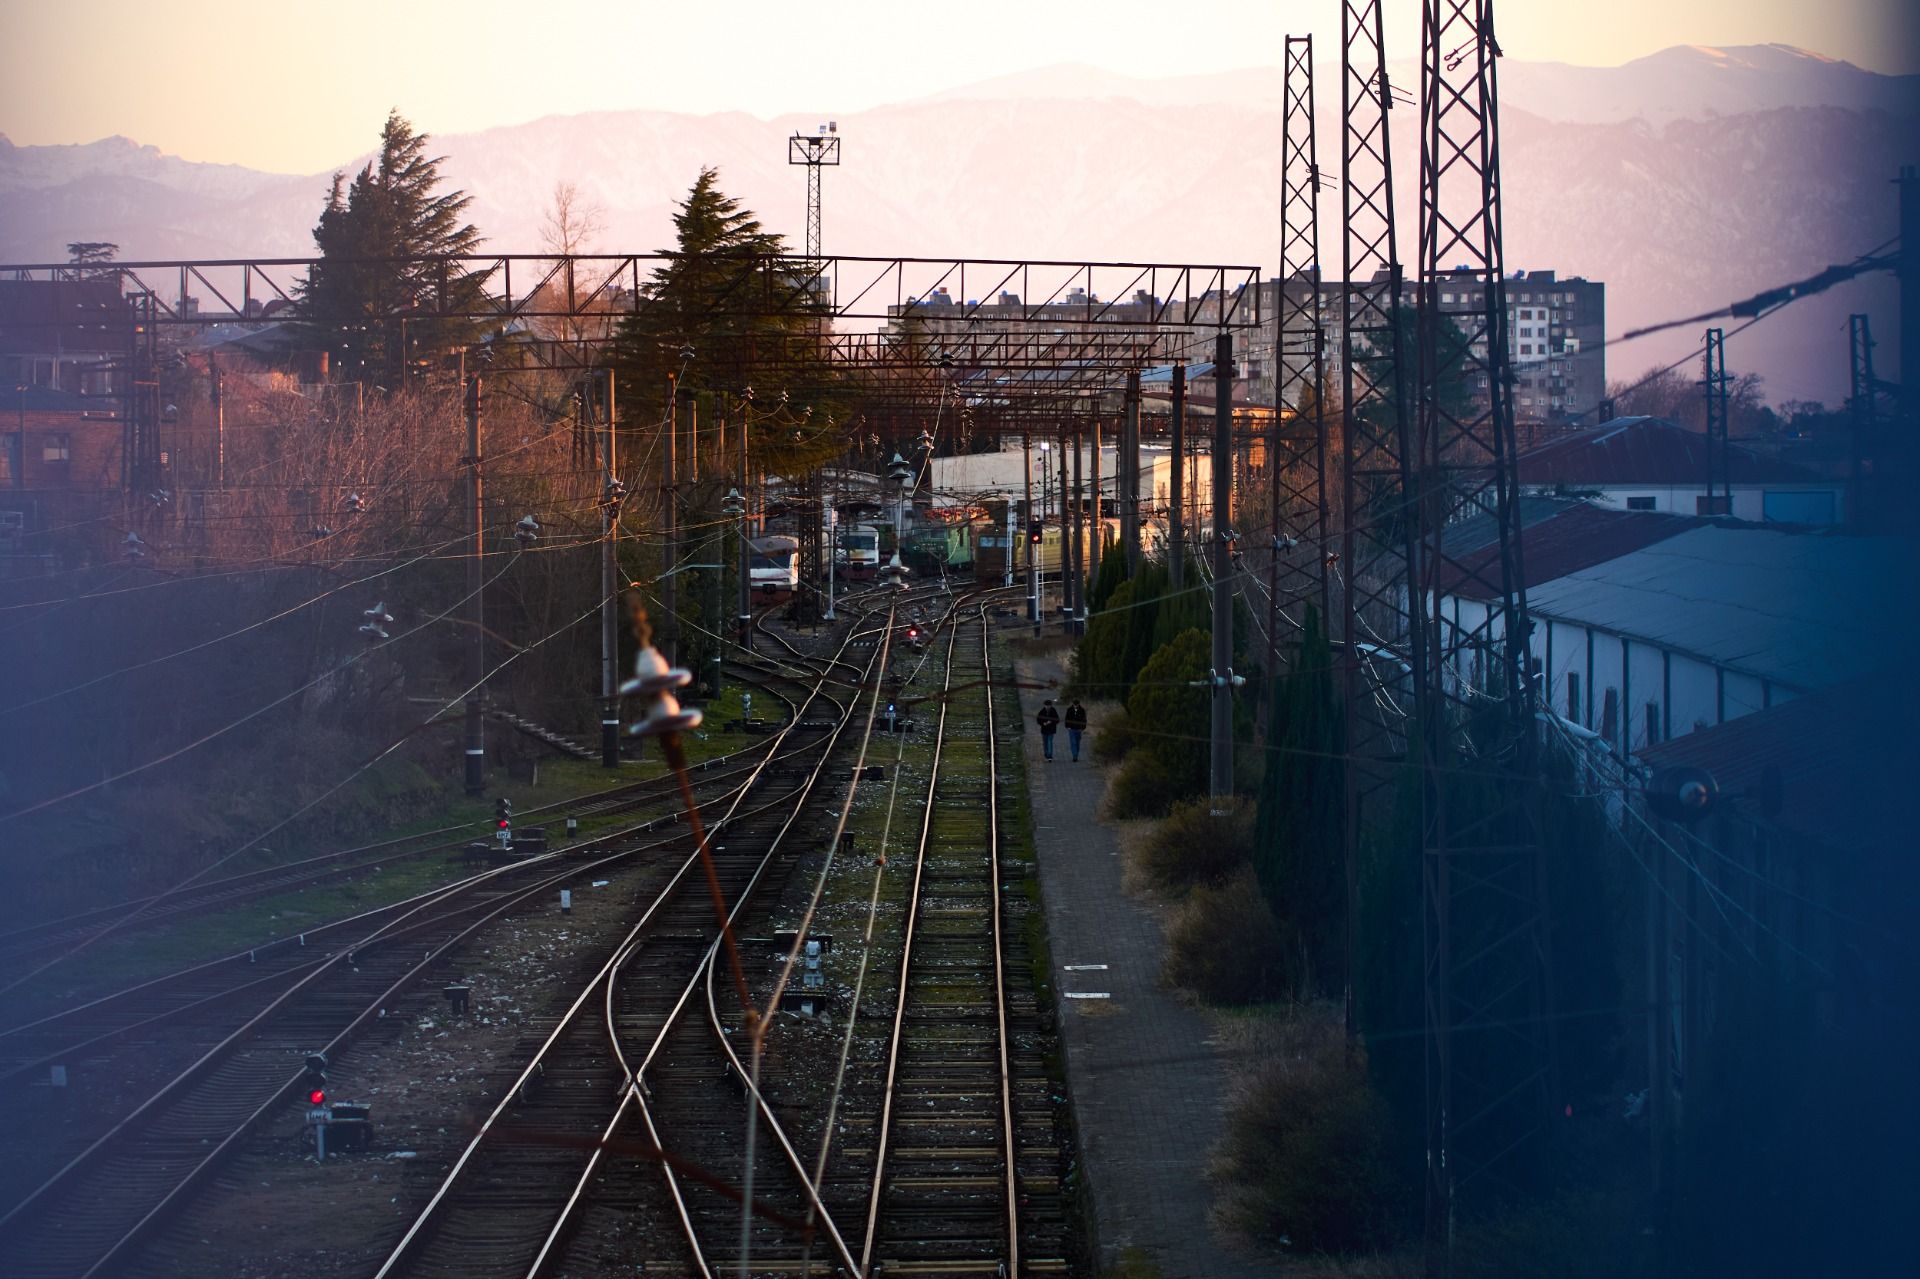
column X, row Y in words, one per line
column 609, row 606
column 1128, row 474
column 1908, row 436
column 1068, row 586
column 1097, row 532
column 1079, row 533
column 1176, row 485
column 744, row 616
column 668, row 627
column 1220, row 782
column 475, row 735
column 1026, row 534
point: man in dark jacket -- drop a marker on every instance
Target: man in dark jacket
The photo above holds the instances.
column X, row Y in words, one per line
column 1076, row 722
column 1049, row 721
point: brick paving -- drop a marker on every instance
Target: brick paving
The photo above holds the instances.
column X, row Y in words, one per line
column 1145, row 1076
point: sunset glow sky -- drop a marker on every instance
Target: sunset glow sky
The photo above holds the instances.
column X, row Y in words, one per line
column 297, row 86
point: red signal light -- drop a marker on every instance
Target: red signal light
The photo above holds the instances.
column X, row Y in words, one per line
column 502, row 823
column 318, row 1097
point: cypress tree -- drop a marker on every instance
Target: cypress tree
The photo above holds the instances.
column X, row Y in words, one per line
column 1300, row 823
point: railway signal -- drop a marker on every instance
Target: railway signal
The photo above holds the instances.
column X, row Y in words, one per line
column 313, row 1082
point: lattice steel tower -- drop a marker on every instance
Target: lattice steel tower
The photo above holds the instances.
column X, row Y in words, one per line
column 1488, row 990
column 1297, row 475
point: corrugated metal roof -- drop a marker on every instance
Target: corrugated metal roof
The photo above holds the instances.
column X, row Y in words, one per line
column 1801, row 609
column 1558, row 536
column 1646, row 450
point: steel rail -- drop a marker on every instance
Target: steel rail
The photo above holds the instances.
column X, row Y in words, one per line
column 749, row 1076
column 425, row 1221
column 568, row 868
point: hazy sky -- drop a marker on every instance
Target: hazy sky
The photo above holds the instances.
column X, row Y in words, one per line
column 296, row 86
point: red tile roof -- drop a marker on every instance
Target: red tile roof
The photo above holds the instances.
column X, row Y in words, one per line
column 1580, row 536
column 1844, row 757
column 1647, row 450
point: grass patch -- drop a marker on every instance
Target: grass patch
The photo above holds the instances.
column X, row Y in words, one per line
column 1133, row 1263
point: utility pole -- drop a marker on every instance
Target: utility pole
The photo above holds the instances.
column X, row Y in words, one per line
column 1900, row 456
column 1068, row 586
column 744, row 615
column 1176, row 485
column 1860, row 407
column 1714, row 381
column 668, row 631
column 1220, row 786
column 1079, row 535
column 1128, row 473
column 219, row 385
column 1099, row 530
column 1026, row 509
column 609, row 613
column 476, row 741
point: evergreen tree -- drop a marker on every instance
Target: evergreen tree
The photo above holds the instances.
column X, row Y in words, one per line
column 363, row 308
column 1113, row 571
column 721, row 316
column 1300, row 825
column 1171, row 717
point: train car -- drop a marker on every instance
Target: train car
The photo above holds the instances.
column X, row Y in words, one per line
column 774, row 567
column 938, row 548
column 990, row 550
column 858, row 555
column 990, row 554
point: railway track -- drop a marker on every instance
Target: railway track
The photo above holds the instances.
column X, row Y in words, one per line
column 563, row 1137
column 950, row 1168
column 88, row 1217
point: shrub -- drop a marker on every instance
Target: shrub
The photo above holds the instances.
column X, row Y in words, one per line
column 1175, row 715
column 1305, row 1161
column 1140, row 787
column 1193, row 848
column 1224, row 945
column 1113, row 737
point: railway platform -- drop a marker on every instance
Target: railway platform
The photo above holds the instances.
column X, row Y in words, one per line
column 1146, row 1079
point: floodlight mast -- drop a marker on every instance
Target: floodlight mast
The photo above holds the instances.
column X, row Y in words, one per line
column 815, row 151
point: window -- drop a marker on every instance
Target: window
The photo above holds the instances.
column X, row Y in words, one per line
column 1639, row 504
column 55, row 448
column 1446, row 297
column 1526, row 348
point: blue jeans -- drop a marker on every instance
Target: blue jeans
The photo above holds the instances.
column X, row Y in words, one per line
column 1046, row 743
column 1073, row 743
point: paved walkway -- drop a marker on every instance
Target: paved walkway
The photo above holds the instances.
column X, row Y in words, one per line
column 1145, row 1079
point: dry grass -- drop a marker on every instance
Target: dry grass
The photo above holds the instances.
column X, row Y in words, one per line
column 1305, row 1164
column 1224, row 944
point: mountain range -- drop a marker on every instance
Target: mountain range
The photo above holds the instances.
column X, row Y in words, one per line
column 1684, row 180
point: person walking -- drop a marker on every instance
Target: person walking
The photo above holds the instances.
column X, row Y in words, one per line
column 1049, row 721
column 1076, row 722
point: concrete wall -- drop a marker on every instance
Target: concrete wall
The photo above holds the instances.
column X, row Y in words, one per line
column 1783, row 503
column 1686, row 692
